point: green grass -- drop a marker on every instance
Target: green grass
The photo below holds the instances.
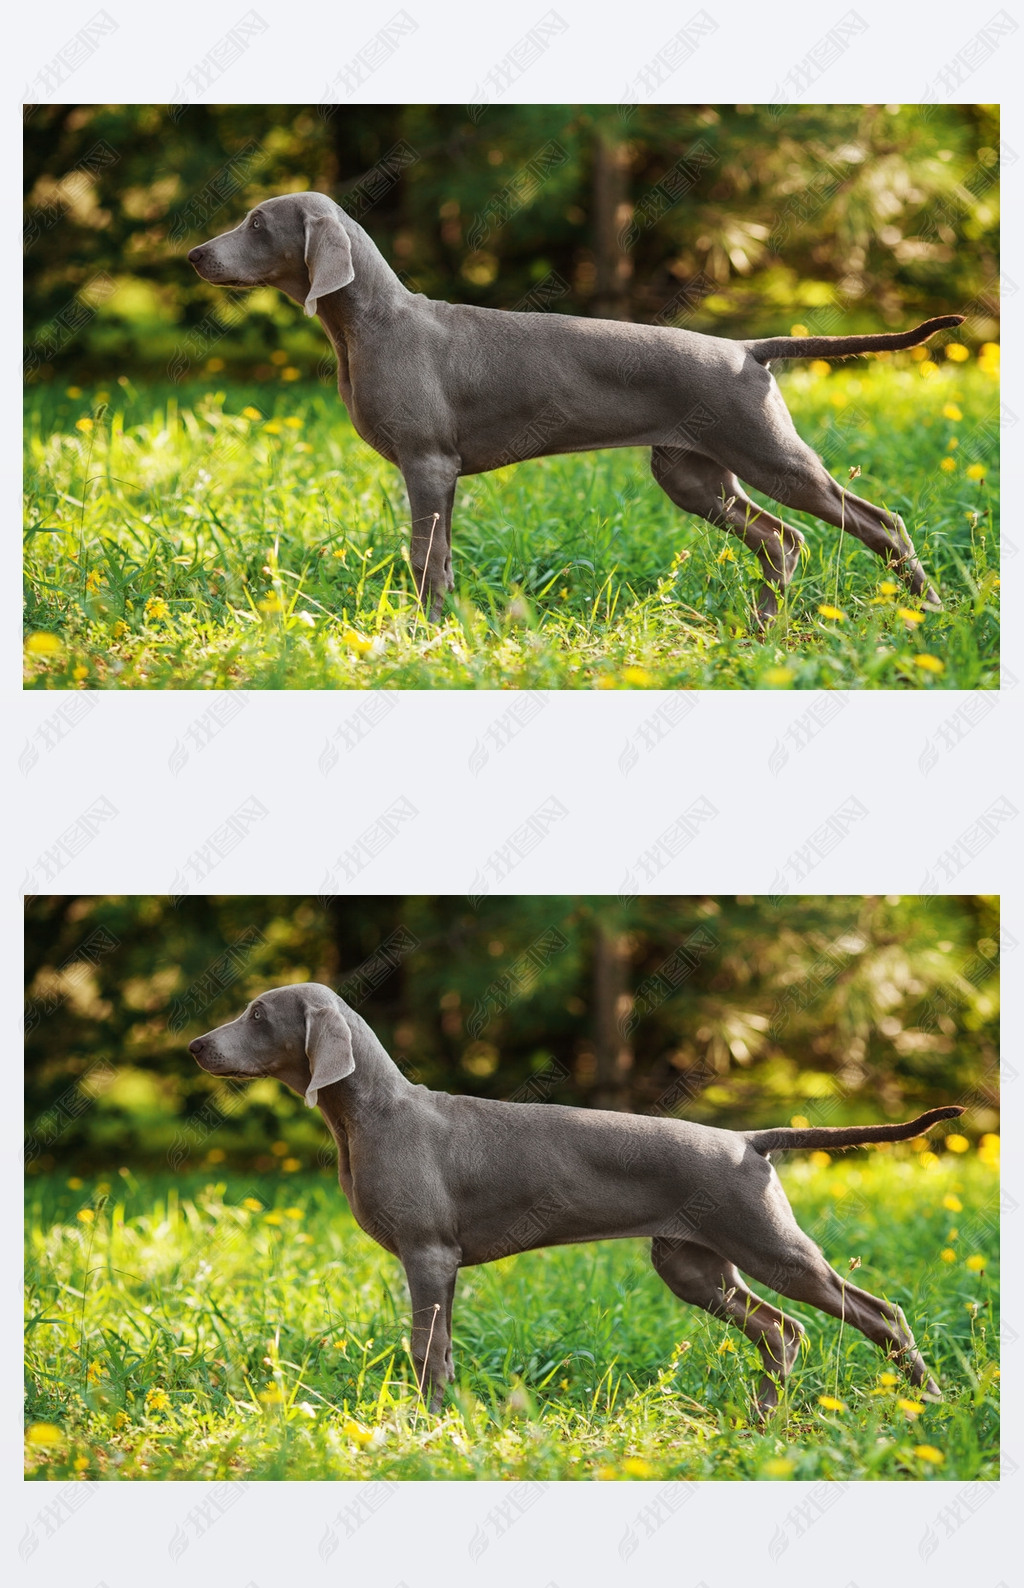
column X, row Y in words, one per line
column 175, row 542
column 176, row 1331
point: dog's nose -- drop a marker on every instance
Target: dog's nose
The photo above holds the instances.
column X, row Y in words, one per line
column 196, row 254
column 196, row 1047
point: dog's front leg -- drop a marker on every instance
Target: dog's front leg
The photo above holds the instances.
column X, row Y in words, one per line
column 430, row 482
column 431, row 1272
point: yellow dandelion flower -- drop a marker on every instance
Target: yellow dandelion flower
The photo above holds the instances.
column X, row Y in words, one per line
column 79, row 673
column 799, row 1122
column 928, row 368
column 86, row 1215
column 988, row 1143
column 272, row 605
column 957, row 352
column 888, row 588
column 84, row 424
column 890, row 1380
column 778, row 677
column 293, row 1213
column 820, row 366
column 93, row 1373
column 637, row 1467
column 778, row 1467
column 948, row 465
column 952, row 1203
column 726, row 1345
column 975, row 471
column 92, row 581
column 293, row 422
column 251, row 413
column 252, row 1204
column 119, row 630
column 42, row 644
column 271, row 428
column 726, row 554
column 357, row 1432
column 157, row 1400
column 820, row 1160
column 80, row 1463
column 273, row 1395
column 273, row 1217
column 976, row 1264
column 156, row 610
column 951, row 411
column 833, row 613
column 215, row 365
column 44, row 1435
column 912, row 1408
column 952, row 443
column 989, row 350
column 929, row 1453
column 957, row 1143
column 909, row 616
column 360, row 644
column 930, row 664
column 948, row 1255
column 799, row 330
column 291, row 373
column 121, row 1420
column 927, row 1159
column 216, row 1155
column 290, row 1165
column 74, row 391
column 637, row 677
column 831, row 1404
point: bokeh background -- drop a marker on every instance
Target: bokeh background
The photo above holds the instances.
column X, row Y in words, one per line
column 739, row 1011
column 737, row 219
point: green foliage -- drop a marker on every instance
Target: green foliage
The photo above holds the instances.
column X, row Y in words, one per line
column 736, row 1011
column 179, row 1328
column 180, row 538
column 741, row 218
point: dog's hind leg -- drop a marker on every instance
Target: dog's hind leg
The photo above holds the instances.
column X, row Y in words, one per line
column 699, row 485
column 704, row 1279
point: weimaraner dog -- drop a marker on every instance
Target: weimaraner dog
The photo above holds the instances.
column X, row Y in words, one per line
column 446, row 1182
column 445, row 390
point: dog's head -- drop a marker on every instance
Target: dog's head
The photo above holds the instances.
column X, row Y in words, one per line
column 297, row 242
column 297, row 1034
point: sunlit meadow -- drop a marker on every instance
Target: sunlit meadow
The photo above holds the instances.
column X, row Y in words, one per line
column 240, row 535
column 220, row 1324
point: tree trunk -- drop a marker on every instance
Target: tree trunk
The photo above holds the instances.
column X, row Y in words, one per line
column 613, row 1051
column 613, row 212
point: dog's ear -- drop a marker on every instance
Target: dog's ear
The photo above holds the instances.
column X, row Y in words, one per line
column 328, row 1049
column 328, row 256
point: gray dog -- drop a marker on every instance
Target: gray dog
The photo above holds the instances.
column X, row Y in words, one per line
column 445, row 390
column 446, row 1182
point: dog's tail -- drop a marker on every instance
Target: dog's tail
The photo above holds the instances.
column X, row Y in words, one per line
column 828, row 1136
column 842, row 346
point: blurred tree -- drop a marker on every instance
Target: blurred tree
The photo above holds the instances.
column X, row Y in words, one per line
column 740, row 1011
column 735, row 219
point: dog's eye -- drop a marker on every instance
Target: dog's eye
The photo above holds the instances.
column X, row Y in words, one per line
column 256, row 221
column 257, row 1014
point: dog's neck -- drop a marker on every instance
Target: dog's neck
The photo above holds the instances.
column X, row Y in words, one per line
column 372, row 296
column 363, row 1100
